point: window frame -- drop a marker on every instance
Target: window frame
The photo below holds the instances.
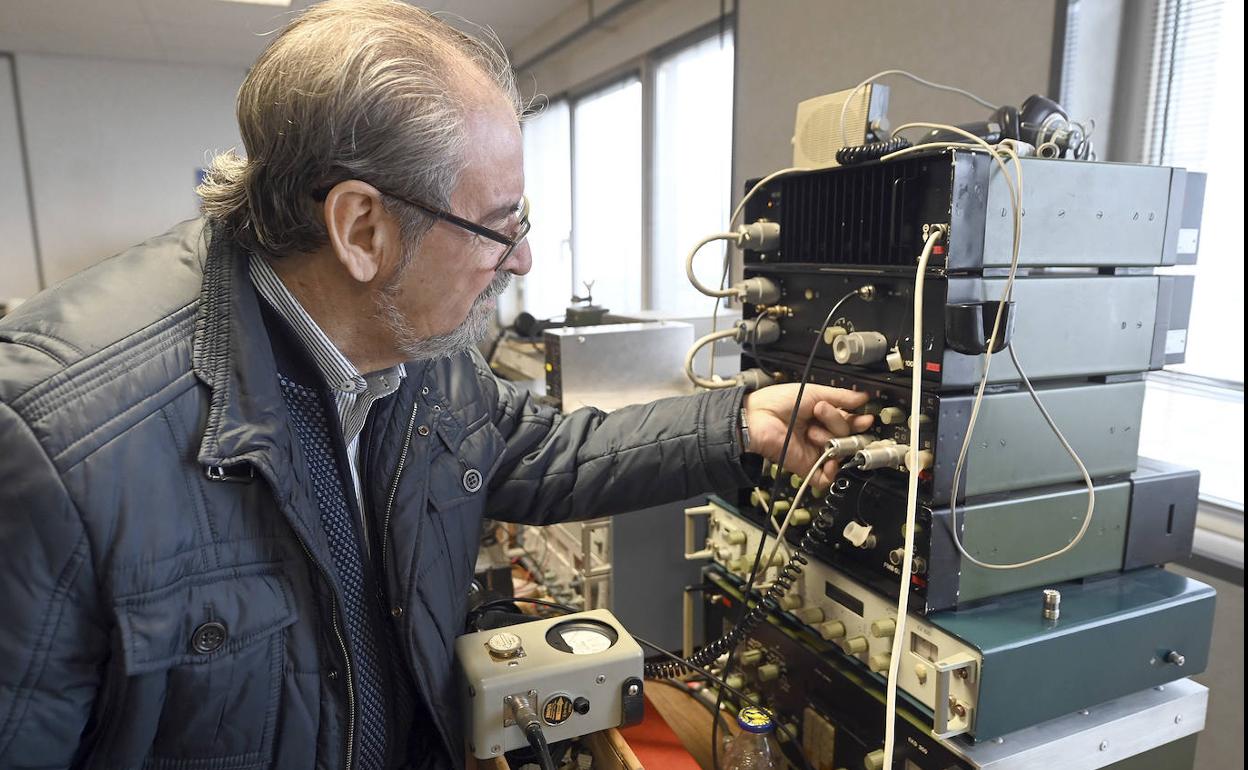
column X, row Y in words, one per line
column 644, row 69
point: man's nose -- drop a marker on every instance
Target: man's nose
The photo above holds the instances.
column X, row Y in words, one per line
column 520, row 262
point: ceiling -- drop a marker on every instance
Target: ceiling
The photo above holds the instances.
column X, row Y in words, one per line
column 208, row 31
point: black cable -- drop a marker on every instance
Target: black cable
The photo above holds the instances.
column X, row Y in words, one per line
column 751, row 618
column 729, row 642
column 537, row 742
column 474, row 616
column 531, row 725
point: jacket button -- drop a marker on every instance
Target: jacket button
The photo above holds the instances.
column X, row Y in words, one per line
column 332, row 673
column 424, row 391
column 396, row 611
column 472, row 480
column 209, row 637
column 423, row 430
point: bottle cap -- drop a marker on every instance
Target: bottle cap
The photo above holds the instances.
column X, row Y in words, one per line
column 755, row 720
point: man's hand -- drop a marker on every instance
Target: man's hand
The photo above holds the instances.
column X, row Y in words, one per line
column 824, row 413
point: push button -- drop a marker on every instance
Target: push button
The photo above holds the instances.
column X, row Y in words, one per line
column 209, row 637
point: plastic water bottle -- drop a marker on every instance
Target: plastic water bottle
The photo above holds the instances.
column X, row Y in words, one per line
column 754, row 748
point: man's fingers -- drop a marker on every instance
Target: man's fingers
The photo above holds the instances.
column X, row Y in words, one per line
column 818, row 435
column 824, row 476
column 860, row 422
column 845, row 399
column 832, row 418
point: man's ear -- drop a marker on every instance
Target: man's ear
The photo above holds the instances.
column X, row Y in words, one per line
column 360, row 229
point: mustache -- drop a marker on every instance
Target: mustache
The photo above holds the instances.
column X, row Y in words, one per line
column 497, row 286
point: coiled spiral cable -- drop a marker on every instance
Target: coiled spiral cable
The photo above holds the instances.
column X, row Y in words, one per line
column 851, row 156
column 819, row 534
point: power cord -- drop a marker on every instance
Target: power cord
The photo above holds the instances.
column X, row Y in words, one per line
column 912, row 498
column 751, row 618
column 916, row 79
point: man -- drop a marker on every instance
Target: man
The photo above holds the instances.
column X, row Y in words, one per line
column 245, row 463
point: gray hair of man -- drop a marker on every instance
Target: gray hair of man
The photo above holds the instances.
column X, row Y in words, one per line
column 376, row 90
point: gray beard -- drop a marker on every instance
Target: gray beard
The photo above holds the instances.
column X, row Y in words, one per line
column 463, row 337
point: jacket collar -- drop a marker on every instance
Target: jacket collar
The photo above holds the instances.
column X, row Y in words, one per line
column 231, row 354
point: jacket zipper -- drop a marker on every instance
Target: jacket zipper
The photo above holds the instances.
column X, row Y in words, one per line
column 342, row 642
column 394, row 488
column 346, row 659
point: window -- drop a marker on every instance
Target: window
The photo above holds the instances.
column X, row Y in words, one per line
column 619, row 210
column 692, row 169
column 545, row 290
column 1195, row 117
column 1196, row 95
column 606, row 209
column 1166, row 77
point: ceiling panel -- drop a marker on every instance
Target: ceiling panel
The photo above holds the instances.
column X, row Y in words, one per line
column 209, row 30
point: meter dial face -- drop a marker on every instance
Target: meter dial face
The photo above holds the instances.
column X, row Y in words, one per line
column 582, row 637
column 585, row 641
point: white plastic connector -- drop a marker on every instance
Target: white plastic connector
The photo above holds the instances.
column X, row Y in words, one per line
column 859, row 535
column 860, row 348
column 759, row 236
column 926, row 458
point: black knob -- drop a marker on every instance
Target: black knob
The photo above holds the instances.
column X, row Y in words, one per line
column 581, row 706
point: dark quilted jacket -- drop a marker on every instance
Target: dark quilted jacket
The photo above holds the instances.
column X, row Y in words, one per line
column 167, row 592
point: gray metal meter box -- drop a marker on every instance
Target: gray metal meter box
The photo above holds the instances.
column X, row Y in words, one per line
column 581, row 672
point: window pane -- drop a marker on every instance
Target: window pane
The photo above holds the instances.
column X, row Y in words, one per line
column 1198, row 96
column 544, row 292
column 692, row 170
column 606, row 239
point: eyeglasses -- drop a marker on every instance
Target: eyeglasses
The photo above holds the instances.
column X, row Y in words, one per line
column 510, row 242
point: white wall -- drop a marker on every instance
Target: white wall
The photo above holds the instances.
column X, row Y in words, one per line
column 791, row 51
column 114, row 147
column 632, row 32
column 18, row 273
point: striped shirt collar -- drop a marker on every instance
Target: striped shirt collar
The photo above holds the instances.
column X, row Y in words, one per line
column 337, row 370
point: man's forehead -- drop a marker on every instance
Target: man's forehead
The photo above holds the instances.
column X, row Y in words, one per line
column 493, row 174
